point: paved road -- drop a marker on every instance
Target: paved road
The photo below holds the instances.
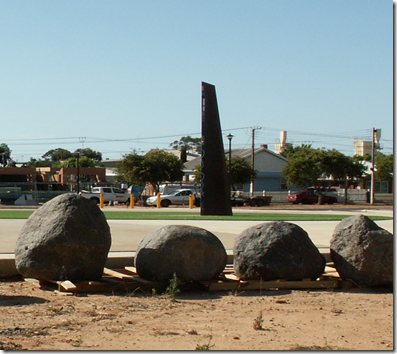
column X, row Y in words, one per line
column 126, row 235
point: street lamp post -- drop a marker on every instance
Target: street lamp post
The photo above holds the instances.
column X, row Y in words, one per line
column 230, row 137
column 78, row 173
column 372, row 196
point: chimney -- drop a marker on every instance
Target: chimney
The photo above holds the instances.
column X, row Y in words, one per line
column 264, row 146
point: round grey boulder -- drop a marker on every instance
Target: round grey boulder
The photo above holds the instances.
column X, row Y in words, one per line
column 363, row 252
column 277, row 250
column 68, row 238
column 192, row 253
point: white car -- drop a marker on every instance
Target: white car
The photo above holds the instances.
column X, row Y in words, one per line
column 109, row 194
column 179, row 197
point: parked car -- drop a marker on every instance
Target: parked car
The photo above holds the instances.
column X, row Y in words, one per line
column 178, row 197
column 238, row 198
column 109, row 194
column 310, row 197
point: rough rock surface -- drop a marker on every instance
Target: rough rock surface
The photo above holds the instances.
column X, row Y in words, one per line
column 277, row 250
column 363, row 252
column 192, row 253
column 68, row 238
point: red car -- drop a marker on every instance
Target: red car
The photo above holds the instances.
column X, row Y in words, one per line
column 310, row 197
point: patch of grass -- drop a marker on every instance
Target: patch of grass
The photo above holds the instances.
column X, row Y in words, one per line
column 172, row 290
column 236, row 217
column 258, row 321
column 15, row 214
column 207, row 346
column 180, row 215
column 78, row 343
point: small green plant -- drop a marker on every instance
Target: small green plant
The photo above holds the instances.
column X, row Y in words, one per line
column 78, row 343
column 207, row 346
column 172, row 290
column 258, row 322
column 235, row 293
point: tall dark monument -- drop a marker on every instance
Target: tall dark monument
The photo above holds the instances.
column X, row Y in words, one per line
column 215, row 189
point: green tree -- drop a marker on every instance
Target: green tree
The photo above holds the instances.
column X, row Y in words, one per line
column 197, row 174
column 290, row 149
column 384, row 167
column 95, row 155
column 39, row 163
column 317, row 167
column 5, row 149
column 58, row 154
column 187, row 143
column 156, row 167
column 83, row 162
column 242, row 172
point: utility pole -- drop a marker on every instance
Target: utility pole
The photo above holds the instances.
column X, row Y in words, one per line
column 82, row 140
column 230, row 137
column 252, row 158
column 373, row 167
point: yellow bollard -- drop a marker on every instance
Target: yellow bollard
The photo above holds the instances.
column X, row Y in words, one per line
column 132, row 201
column 158, row 200
column 101, row 201
column 190, row 201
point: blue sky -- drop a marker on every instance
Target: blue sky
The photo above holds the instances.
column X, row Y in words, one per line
column 118, row 76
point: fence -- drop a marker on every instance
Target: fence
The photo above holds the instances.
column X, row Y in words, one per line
column 41, row 192
column 354, row 196
column 36, row 192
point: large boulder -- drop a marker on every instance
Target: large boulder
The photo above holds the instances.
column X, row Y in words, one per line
column 363, row 252
column 277, row 250
column 68, row 238
column 192, row 253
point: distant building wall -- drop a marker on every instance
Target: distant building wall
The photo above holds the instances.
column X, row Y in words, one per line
column 264, row 161
column 363, row 147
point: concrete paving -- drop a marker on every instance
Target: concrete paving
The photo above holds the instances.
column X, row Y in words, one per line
column 127, row 234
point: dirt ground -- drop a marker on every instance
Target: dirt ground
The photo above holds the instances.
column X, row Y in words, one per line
column 345, row 319
column 351, row 319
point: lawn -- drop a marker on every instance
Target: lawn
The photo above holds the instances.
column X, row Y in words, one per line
column 180, row 215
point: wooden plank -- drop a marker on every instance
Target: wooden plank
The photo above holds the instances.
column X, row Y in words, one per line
column 67, row 285
column 330, row 275
column 228, row 271
column 122, row 276
column 231, row 277
column 86, row 287
column 116, row 274
column 34, row 282
column 131, row 269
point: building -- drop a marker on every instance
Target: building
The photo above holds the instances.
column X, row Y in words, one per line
column 267, row 163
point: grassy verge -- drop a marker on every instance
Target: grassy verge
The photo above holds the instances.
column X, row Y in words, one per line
column 122, row 215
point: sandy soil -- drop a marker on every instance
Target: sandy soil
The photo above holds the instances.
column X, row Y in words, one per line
column 39, row 319
column 348, row 319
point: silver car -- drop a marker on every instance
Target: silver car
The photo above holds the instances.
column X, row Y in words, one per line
column 179, row 197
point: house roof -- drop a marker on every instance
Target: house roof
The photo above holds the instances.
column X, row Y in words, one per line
column 244, row 153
